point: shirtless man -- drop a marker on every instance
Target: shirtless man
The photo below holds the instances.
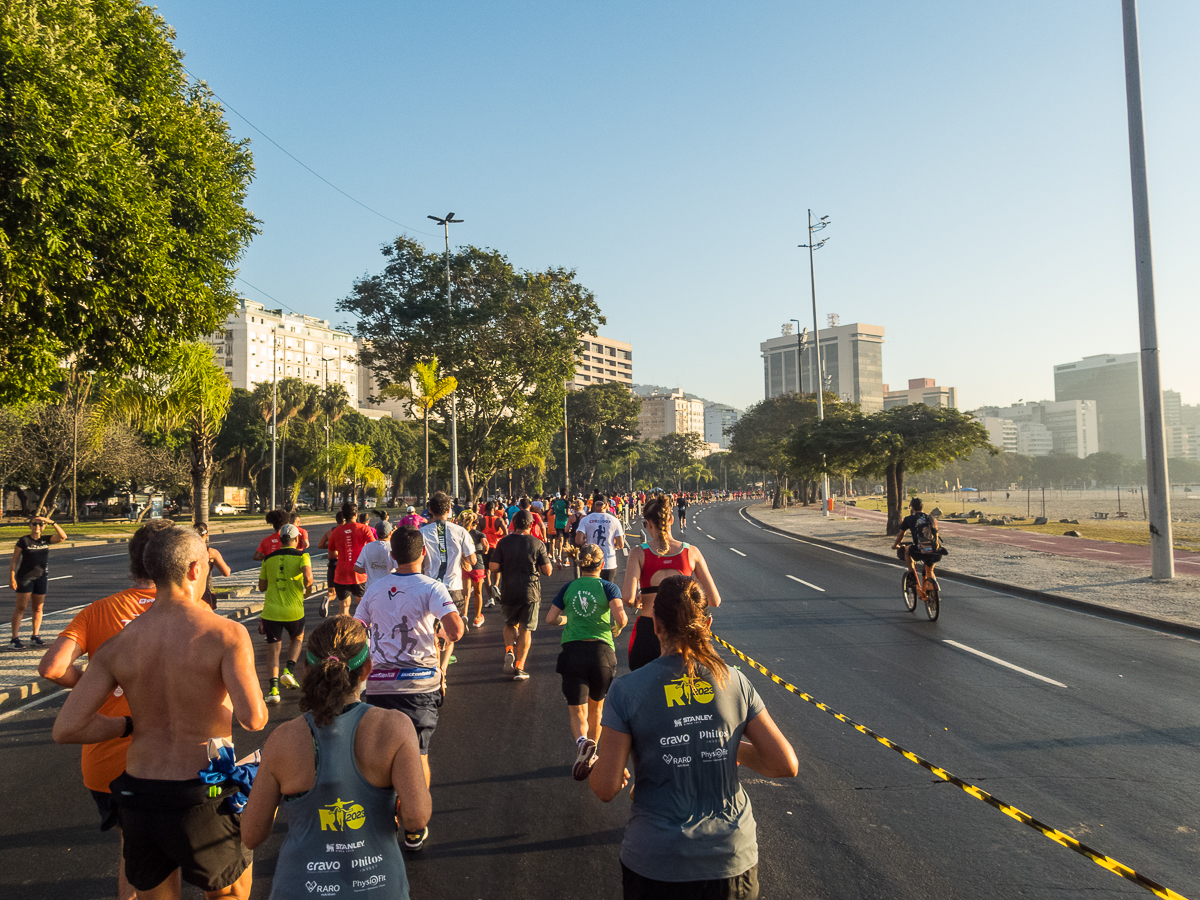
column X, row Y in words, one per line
column 185, row 672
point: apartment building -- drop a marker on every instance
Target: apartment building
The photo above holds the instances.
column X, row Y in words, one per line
column 717, row 418
column 602, row 360
column 1114, row 382
column 921, row 390
column 666, row 413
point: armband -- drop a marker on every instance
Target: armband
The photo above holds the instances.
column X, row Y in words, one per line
column 128, row 727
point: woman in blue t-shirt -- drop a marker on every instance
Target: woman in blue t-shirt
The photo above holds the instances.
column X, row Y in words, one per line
column 688, row 721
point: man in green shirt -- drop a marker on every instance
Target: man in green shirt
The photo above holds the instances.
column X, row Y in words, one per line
column 286, row 578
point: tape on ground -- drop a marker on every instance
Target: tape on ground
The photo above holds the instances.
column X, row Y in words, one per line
column 1059, row 837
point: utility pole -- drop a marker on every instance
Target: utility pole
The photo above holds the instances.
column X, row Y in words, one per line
column 274, row 407
column 819, row 381
column 1162, row 561
column 328, row 485
column 446, row 223
column 566, row 451
column 801, row 337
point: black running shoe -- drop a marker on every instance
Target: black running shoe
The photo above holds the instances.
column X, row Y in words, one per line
column 18, row 644
column 415, row 840
column 37, row 640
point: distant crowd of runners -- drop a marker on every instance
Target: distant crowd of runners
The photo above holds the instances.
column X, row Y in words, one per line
column 166, row 676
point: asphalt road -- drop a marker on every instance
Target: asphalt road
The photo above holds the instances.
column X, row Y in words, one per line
column 1109, row 757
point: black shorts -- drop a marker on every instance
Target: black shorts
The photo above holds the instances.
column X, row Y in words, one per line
column 422, row 709
column 169, row 825
column 587, row 669
column 350, row 590
column 609, row 574
column 35, row 585
column 643, row 643
column 274, row 630
column 740, row 887
column 522, row 613
column 930, row 559
column 329, row 573
column 108, row 809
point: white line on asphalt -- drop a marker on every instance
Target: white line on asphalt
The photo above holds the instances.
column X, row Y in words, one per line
column 229, row 541
column 1007, row 665
column 1188, row 562
column 1094, row 550
column 738, row 552
column 710, row 537
column 63, row 612
column 38, row 702
column 806, row 584
column 248, row 618
column 106, row 556
column 877, row 562
column 60, row 577
column 1036, row 541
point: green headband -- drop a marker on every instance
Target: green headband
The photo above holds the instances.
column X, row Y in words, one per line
column 351, row 664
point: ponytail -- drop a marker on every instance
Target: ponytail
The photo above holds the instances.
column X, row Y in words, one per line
column 337, row 651
column 681, row 610
column 658, row 511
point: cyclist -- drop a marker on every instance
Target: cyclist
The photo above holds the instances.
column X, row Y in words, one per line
column 926, row 546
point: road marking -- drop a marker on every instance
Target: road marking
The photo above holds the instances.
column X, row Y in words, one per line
column 877, row 562
column 1094, row 550
column 738, row 552
column 63, row 612
column 106, row 556
column 60, row 577
column 228, row 541
column 249, row 618
column 38, row 702
column 710, row 537
column 806, row 584
column 1007, row 665
column 1036, row 541
column 1187, row 562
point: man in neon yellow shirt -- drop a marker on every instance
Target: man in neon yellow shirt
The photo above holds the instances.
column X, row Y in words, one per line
column 286, row 578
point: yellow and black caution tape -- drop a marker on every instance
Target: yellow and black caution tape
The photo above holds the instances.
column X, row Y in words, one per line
column 978, row 793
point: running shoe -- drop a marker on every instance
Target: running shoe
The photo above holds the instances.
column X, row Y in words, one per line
column 18, row 644
column 477, row 621
column 490, row 603
column 510, row 660
column 272, row 695
column 37, row 640
column 325, row 607
column 520, row 675
column 288, row 680
column 415, row 840
column 584, row 760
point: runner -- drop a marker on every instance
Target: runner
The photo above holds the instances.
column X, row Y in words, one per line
column 688, row 720
column 186, row 673
column 285, row 579
column 341, row 755
column 375, row 561
column 681, row 505
column 215, row 561
column 91, row 627
column 348, row 539
column 448, row 550
column 330, row 570
column 276, row 518
column 27, row 576
column 578, row 511
column 401, row 611
column 604, row 530
column 473, row 579
column 659, row 557
column 495, row 526
column 559, row 509
column 302, row 541
column 411, row 519
column 519, row 557
column 588, row 661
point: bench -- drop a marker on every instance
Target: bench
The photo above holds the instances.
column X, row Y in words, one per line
column 1122, row 515
column 1099, row 515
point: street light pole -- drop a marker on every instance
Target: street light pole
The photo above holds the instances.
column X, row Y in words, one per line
column 566, row 450
column 446, row 223
column 274, row 408
column 328, row 486
column 820, row 373
column 1162, row 562
column 801, row 337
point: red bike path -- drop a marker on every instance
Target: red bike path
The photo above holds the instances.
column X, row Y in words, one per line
column 1078, row 548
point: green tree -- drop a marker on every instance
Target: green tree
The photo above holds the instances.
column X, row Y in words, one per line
column 190, row 393
column 426, row 391
column 508, row 337
column 679, row 450
column 601, row 426
column 121, row 198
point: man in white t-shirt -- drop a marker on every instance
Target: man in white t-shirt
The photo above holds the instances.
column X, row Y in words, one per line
column 449, row 549
column 375, row 559
column 401, row 611
column 605, row 531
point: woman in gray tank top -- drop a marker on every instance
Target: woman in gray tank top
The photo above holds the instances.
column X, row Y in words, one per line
column 339, row 772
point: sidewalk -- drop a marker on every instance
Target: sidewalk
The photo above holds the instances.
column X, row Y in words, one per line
column 1061, row 567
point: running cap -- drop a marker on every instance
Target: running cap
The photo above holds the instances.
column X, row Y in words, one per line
column 412, row 509
column 384, row 528
column 522, row 519
column 289, row 531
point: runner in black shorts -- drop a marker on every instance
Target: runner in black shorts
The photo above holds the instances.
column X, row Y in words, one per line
column 27, row 576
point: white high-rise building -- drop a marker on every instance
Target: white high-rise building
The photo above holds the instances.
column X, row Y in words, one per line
column 1002, row 433
column 601, row 360
column 717, row 418
column 851, row 355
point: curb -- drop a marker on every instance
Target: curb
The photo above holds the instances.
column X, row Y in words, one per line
column 1096, row 609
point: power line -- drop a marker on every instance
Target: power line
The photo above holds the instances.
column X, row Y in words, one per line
column 306, row 166
column 268, row 296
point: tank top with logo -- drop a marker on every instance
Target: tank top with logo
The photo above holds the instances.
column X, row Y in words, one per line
column 341, row 834
column 680, row 561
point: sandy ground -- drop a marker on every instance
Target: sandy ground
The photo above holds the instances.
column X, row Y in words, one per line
column 1118, row 587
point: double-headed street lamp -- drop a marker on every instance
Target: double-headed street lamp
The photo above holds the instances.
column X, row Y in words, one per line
column 819, row 380
column 446, row 223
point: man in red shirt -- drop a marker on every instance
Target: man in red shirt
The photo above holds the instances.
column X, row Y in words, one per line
column 276, row 518
column 90, row 628
column 349, row 538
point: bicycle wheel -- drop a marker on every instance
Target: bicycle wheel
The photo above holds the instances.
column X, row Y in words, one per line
column 933, row 602
column 910, row 591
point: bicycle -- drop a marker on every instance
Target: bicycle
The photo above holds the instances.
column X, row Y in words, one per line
column 924, row 587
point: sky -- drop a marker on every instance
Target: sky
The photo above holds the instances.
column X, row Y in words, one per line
column 972, row 157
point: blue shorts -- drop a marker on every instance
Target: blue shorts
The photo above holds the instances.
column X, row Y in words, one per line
column 35, row 585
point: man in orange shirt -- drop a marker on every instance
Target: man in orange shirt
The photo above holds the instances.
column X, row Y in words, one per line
column 348, row 539
column 90, row 628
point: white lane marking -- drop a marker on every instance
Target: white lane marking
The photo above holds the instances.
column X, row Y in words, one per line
column 248, row 618
column 806, row 584
column 738, row 552
column 698, row 528
column 1094, row 550
column 1187, row 562
column 710, row 537
column 227, row 541
column 877, row 562
column 63, row 612
column 60, row 577
column 1036, row 541
column 106, row 556
column 38, row 702
column 1007, row 665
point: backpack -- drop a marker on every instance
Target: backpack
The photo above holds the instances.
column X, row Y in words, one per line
column 925, row 536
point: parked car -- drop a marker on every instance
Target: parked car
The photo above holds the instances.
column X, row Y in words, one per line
column 224, row 509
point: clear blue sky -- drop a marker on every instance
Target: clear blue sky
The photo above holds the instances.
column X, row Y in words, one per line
column 973, row 158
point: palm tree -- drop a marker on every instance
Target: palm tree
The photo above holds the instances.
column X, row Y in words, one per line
column 189, row 393
column 334, row 400
column 696, row 471
column 423, row 394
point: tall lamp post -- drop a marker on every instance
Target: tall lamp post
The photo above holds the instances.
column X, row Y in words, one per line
column 328, row 485
column 1162, row 561
column 801, row 339
column 812, row 246
column 274, row 407
column 446, row 223
column 566, row 452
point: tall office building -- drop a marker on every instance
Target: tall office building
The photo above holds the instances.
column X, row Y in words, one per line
column 1071, row 423
column 852, row 356
column 1115, row 383
column 1002, row 433
column 667, row 413
column 921, row 390
column 717, row 418
column 602, row 360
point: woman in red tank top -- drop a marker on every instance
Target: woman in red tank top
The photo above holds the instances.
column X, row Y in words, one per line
column 494, row 528
column 659, row 557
